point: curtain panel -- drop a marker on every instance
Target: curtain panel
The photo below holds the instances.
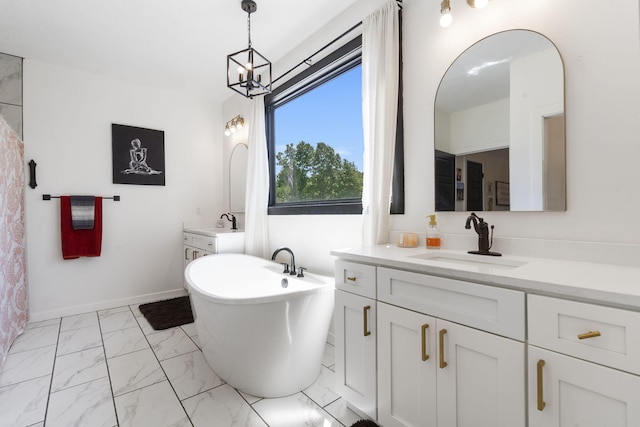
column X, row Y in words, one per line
column 257, row 195
column 380, row 74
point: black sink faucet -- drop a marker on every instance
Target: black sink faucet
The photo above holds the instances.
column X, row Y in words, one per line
column 482, row 228
column 232, row 219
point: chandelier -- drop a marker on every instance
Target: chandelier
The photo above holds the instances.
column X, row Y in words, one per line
column 248, row 72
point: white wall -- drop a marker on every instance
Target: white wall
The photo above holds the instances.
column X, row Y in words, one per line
column 68, row 116
column 601, row 52
column 536, row 93
column 602, row 92
column 481, row 128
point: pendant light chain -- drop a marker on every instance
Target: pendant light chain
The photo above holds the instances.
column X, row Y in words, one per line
column 249, row 26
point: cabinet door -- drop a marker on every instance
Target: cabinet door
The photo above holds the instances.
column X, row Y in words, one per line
column 406, row 368
column 565, row 391
column 481, row 378
column 355, row 339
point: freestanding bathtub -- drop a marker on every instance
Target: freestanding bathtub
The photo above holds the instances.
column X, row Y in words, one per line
column 260, row 335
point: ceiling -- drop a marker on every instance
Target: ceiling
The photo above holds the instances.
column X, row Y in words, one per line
column 177, row 45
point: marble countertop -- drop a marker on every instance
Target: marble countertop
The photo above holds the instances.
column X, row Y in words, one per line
column 606, row 284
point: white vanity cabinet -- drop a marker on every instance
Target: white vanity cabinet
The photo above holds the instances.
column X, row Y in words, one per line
column 355, row 335
column 434, row 372
column 197, row 245
column 584, row 364
column 447, row 352
column 512, row 342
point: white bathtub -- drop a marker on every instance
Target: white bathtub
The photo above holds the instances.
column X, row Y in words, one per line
column 259, row 337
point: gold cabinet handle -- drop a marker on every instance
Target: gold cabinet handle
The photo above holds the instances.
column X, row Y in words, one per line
column 367, row 332
column 441, row 335
column 195, row 254
column 186, row 254
column 425, row 356
column 541, row 403
column 590, row 334
column 351, row 278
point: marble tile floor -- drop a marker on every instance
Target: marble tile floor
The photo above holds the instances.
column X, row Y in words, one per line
column 110, row 368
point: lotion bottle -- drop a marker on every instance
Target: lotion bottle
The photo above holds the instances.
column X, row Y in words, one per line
column 433, row 234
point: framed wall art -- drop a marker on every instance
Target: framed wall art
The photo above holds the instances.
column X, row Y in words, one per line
column 502, row 193
column 138, row 155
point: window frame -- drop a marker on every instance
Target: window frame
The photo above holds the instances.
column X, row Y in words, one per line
column 339, row 61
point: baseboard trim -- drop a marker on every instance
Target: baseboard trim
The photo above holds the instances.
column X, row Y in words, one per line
column 103, row 305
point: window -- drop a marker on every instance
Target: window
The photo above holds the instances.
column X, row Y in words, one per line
column 315, row 138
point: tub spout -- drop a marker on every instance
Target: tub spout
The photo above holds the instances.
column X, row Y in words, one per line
column 292, row 257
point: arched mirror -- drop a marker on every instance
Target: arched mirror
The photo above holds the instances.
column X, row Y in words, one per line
column 238, row 177
column 499, row 127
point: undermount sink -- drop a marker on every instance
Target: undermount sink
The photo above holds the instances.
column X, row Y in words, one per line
column 471, row 260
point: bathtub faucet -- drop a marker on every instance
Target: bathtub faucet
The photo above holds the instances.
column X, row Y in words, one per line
column 233, row 220
column 291, row 271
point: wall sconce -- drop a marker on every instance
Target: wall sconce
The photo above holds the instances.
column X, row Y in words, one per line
column 234, row 124
column 477, row 4
column 445, row 10
column 445, row 14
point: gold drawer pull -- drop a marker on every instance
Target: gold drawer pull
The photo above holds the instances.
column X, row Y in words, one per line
column 441, row 334
column 186, row 254
column 367, row 332
column 351, row 279
column 425, row 356
column 590, row 334
column 541, row 403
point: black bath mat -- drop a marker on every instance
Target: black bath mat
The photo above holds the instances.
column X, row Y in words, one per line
column 168, row 313
column 364, row 423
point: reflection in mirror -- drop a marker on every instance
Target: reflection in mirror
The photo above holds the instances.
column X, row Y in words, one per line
column 238, row 177
column 499, row 125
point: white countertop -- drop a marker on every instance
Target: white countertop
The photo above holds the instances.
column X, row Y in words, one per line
column 606, row 284
column 211, row 231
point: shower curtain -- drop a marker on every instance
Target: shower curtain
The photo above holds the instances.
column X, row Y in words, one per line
column 13, row 286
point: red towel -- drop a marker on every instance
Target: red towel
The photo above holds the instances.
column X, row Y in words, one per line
column 77, row 243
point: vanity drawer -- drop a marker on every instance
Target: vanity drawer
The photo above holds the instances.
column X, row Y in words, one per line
column 561, row 325
column 488, row 308
column 200, row 241
column 356, row 278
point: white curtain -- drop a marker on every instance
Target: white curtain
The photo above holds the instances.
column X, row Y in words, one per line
column 380, row 53
column 257, row 195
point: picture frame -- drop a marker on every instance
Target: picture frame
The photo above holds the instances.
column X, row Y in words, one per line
column 502, row 193
column 137, row 155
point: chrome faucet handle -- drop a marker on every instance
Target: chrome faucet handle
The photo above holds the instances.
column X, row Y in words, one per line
column 300, row 271
column 286, row 267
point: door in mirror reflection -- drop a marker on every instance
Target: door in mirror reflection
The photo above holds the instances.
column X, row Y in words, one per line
column 501, row 105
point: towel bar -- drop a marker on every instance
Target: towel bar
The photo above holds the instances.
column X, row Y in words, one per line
column 49, row 197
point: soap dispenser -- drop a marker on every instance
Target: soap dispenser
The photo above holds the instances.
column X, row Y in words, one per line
column 433, row 234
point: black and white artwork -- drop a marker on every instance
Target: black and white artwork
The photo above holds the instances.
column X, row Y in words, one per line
column 138, row 155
